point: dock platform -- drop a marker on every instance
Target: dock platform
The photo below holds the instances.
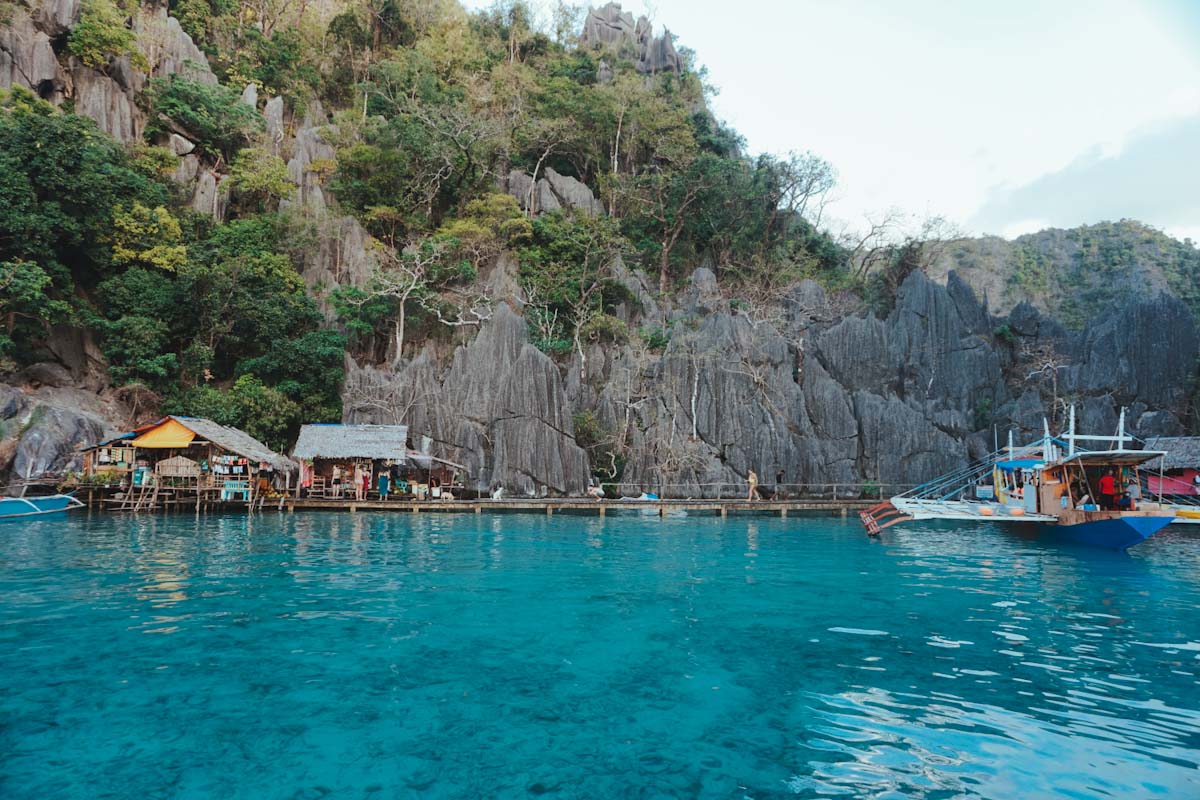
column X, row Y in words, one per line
column 581, row 506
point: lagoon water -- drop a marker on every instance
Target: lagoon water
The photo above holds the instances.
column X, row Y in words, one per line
column 385, row 656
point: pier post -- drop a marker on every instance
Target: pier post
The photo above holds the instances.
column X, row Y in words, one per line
column 353, row 508
column 844, row 510
column 549, row 511
column 783, row 512
column 478, row 509
column 724, row 511
column 602, row 511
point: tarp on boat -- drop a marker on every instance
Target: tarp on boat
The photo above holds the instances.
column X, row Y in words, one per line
column 1020, row 463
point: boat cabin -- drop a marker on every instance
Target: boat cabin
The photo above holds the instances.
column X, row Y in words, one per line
column 1054, row 477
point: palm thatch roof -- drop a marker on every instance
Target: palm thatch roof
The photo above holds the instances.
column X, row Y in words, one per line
column 1182, row 452
column 382, row 442
column 238, row 442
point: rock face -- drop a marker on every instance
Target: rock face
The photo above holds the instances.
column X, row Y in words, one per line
column 610, row 28
column 27, row 57
column 499, row 409
column 211, row 194
column 552, row 192
column 43, row 425
column 169, row 48
column 307, row 147
column 831, row 403
column 107, row 102
column 56, row 17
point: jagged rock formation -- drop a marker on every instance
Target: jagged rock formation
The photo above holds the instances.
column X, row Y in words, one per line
column 26, row 55
column 824, row 398
column 28, row 58
column 498, row 407
column 552, row 193
column 608, row 27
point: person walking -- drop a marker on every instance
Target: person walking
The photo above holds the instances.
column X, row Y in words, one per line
column 357, row 478
column 752, row 479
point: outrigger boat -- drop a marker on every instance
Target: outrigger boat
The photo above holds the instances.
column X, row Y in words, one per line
column 1051, row 484
column 12, row 508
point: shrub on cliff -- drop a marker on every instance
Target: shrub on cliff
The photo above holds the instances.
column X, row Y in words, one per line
column 214, row 117
column 101, row 34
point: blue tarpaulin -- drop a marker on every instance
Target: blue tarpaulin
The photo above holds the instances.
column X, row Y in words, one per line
column 1020, row 463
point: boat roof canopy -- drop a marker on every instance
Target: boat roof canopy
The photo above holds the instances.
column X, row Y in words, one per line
column 1113, row 457
column 1020, row 463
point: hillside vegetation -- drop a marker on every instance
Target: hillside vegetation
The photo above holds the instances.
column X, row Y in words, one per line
column 1078, row 274
column 441, row 129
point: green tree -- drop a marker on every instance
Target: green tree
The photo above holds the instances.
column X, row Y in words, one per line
column 25, row 306
column 101, row 34
column 149, row 237
column 213, row 116
column 259, row 180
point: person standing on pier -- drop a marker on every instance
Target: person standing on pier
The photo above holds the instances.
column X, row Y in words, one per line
column 752, row 479
column 357, row 479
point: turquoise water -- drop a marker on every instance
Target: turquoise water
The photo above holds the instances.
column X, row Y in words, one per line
column 429, row 656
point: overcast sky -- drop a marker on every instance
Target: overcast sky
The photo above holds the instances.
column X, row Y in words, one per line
column 1003, row 117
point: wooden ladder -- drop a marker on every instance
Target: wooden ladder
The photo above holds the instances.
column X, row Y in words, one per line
column 884, row 515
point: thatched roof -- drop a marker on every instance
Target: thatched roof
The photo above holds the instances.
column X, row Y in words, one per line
column 235, row 441
column 1182, row 452
column 384, row 442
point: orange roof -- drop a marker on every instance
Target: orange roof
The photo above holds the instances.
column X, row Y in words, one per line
column 166, row 434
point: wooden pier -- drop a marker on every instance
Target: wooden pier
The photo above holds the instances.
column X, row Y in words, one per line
column 580, row 506
column 206, row 500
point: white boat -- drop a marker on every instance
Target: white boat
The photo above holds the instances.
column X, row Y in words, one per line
column 1052, row 485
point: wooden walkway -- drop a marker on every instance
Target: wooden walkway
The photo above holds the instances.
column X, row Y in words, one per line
column 208, row 499
column 551, row 506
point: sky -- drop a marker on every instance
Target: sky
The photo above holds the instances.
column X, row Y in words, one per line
column 1004, row 118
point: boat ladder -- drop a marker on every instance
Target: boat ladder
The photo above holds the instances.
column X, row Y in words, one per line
column 881, row 516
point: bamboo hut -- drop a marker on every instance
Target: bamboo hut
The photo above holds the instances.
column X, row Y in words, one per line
column 333, row 457
column 177, row 455
column 1178, row 471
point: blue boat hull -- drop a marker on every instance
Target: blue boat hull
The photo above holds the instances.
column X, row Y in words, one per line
column 20, row 507
column 1115, row 534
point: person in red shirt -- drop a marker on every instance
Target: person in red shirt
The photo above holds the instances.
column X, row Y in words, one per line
column 1108, row 491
